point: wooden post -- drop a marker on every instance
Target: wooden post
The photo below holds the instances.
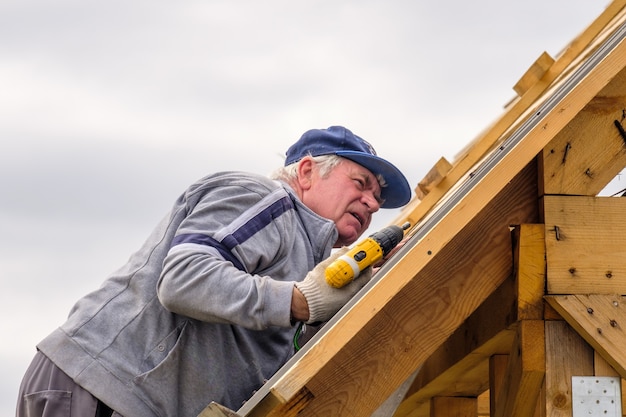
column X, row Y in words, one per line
column 525, row 372
column 567, row 355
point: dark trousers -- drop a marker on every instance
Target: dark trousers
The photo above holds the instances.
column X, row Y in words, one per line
column 46, row 391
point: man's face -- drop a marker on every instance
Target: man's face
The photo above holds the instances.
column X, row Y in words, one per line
column 348, row 195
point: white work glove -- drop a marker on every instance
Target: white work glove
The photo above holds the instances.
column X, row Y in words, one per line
column 323, row 300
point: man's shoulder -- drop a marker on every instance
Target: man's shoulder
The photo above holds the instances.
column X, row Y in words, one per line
column 248, row 180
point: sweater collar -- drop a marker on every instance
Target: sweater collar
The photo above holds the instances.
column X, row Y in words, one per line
column 321, row 231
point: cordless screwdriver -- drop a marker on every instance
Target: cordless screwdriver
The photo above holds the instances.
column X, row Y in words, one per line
column 366, row 253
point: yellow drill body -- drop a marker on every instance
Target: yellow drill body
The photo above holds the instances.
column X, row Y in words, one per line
column 366, row 253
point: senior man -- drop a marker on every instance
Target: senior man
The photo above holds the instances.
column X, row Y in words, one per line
column 207, row 309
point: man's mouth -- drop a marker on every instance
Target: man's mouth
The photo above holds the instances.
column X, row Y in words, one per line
column 358, row 218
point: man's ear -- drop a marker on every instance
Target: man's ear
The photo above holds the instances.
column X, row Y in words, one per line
column 305, row 172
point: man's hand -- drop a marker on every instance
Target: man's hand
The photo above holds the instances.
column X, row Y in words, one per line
column 323, row 300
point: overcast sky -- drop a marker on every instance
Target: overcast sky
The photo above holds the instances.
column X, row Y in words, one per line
column 109, row 109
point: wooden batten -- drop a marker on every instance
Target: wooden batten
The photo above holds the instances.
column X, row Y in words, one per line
column 433, row 178
column 539, row 68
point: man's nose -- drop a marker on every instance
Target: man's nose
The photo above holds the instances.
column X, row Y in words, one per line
column 371, row 202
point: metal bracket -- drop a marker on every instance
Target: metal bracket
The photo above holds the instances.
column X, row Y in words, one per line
column 596, row 396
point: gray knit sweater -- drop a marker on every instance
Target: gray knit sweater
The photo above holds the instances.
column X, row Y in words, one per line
column 200, row 312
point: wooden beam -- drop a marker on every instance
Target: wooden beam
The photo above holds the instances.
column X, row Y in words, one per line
column 530, row 267
column 535, row 73
column 585, row 156
column 497, row 377
column 459, row 366
column 567, row 355
column 585, row 244
column 525, row 372
column 433, row 178
column 453, row 407
column 600, row 320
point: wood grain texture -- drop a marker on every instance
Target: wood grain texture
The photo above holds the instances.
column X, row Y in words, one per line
column 601, row 320
column 454, row 407
column 585, row 244
column 585, row 156
column 567, row 355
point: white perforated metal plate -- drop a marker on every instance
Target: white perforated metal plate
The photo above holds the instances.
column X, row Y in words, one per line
column 595, row 396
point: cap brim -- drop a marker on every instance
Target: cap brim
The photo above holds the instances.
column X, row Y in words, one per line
column 397, row 192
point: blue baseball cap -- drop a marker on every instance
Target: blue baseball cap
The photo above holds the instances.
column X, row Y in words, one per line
column 337, row 140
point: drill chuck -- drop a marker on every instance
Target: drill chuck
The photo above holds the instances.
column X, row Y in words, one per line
column 366, row 253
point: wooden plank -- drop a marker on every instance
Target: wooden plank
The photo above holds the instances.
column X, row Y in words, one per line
column 567, row 355
column 600, row 320
column 585, row 156
column 525, row 372
column 377, row 335
column 433, row 178
column 453, row 407
column 533, row 74
column 530, row 267
column 585, row 244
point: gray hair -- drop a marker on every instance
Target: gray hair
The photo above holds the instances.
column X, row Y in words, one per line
column 325, row 163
